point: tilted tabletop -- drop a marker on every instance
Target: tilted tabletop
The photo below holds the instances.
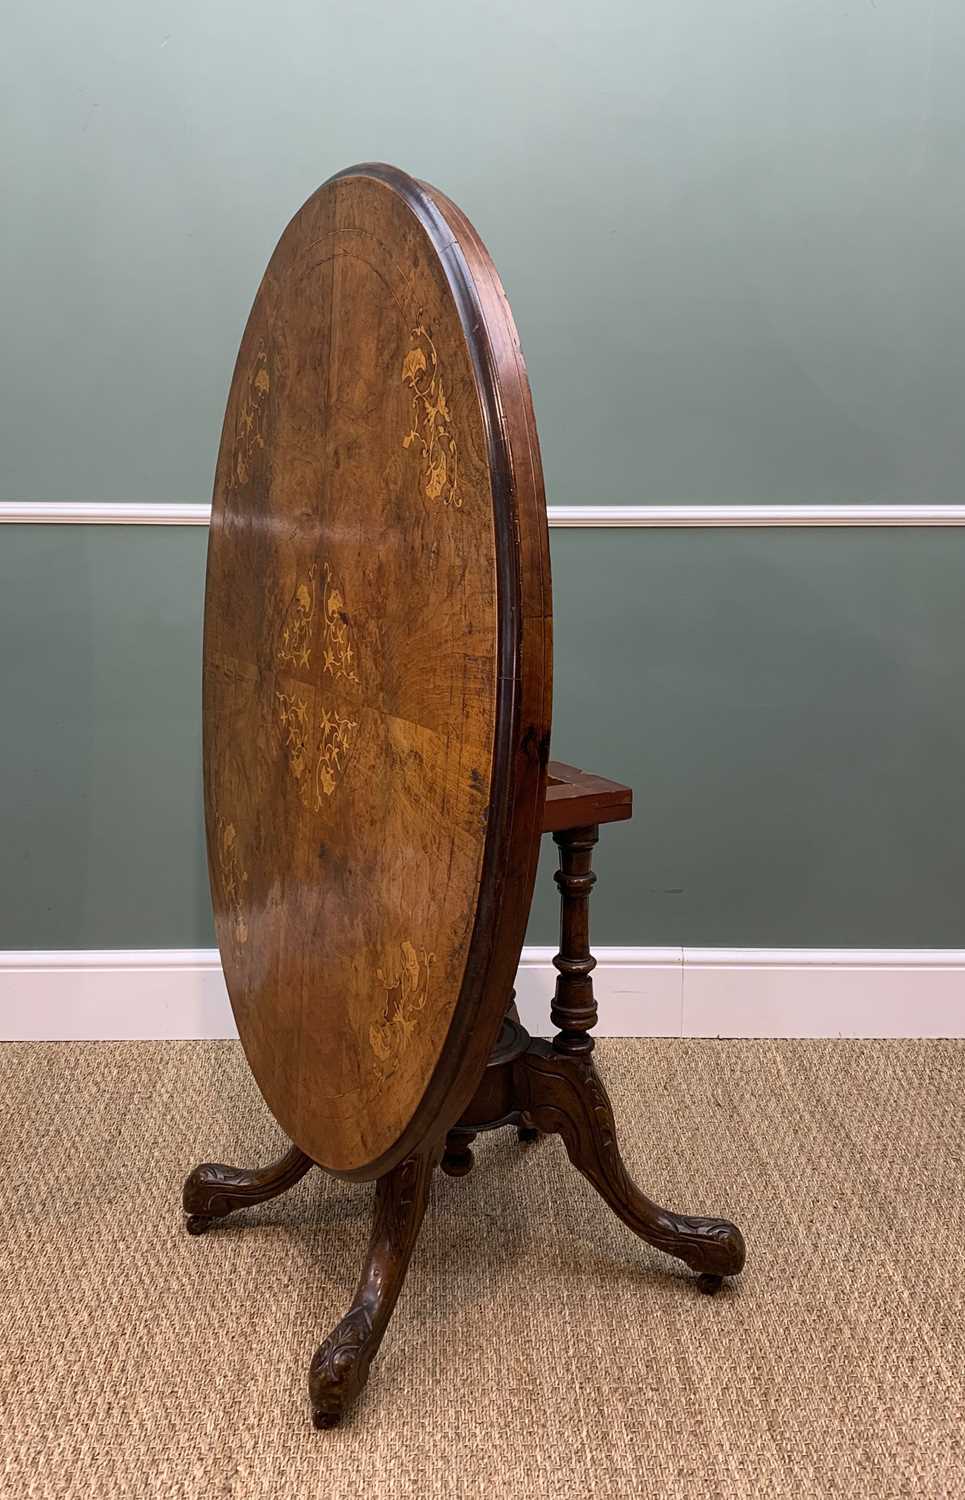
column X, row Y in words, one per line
column 377, row 664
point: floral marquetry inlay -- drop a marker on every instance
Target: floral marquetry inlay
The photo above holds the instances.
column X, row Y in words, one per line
column 298, row 629
column 335, row 741
column 293, row 717
column 337, row 649
column 432, row 429
column 252, row 418
column 296, row 635
column 407, row 990
column 317, row 740
column 315, row 771
column 234, row 878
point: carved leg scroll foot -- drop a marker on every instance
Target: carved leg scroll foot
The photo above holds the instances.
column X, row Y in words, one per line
column 566, row 1095
column 213, row 1190
column 341, row 1366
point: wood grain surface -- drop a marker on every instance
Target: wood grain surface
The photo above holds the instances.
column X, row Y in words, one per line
column 376, row 670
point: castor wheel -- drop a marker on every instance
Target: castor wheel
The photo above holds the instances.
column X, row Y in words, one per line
column 526, row 1135
column 709, row 1283
column 199, row 1223
column 323, row 1420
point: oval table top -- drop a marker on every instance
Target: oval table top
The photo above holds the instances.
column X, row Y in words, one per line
column 376, row 670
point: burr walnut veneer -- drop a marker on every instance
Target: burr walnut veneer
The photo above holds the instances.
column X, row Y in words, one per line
column 377, row 664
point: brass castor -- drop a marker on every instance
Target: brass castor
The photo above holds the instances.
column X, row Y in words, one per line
column 323, row 1420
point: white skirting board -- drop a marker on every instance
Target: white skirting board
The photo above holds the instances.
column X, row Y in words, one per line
column 143, row 994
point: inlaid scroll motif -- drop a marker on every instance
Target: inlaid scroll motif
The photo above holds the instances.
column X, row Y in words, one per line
column 431, row 431
column 252, row 428
column 338, row 653
column 234, row 878
column 335, row 738
column 293, row 717
column 298, row 629
column 406, row 995
column 296, row 633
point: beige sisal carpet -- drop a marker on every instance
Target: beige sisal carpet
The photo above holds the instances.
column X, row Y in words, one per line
column 538, row 1348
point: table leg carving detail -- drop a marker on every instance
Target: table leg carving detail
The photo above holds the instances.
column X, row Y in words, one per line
column 340, row 1367
column 214, row 1190
column 566, row 1095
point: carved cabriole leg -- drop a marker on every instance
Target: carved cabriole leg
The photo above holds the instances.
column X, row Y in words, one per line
column 566, row 1095
column 558, row 1088
column 213, row 1190
column 341, row 1366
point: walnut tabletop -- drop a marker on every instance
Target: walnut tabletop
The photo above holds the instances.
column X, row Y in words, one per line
column 376, row 670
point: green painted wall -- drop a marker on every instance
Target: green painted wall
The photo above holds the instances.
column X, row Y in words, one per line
column 732, row 236
column 731, row 232
column 787, row 706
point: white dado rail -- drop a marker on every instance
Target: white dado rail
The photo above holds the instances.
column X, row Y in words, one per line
column 184, row 513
